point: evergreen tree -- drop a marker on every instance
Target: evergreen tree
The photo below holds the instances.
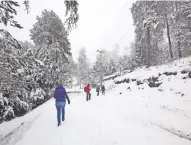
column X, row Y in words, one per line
column 51, row 38
column 83, row 68
column 158, row 21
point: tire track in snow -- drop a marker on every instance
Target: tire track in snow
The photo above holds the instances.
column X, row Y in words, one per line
column 17, row 134
column 148, row 123
column 173, row 131
column 175, row 110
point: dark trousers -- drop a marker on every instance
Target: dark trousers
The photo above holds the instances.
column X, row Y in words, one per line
column 88, row 96
column 60, row 106
column 97, row 93
column 103, row 92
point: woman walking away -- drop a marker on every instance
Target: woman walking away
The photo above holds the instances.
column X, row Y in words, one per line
column 88, row 94
column 60, row 96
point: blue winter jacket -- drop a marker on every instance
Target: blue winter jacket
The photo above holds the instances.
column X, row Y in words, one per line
column 60, row 94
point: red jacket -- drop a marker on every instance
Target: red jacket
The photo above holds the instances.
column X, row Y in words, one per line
column 87, row 88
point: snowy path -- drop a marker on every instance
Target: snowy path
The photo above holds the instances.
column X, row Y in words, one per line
column 105, row 120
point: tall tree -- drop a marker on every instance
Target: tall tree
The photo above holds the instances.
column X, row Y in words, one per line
column 83, row 68
column 51, row 37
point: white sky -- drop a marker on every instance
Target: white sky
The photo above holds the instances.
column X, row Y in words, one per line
column 101, row 24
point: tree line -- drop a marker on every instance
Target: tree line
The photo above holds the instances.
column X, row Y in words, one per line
column 162, row 34
column 162, row 31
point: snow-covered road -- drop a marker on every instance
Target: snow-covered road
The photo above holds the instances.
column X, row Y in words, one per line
column 112, row 119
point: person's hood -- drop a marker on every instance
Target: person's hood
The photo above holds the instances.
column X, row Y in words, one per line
column 60, row 86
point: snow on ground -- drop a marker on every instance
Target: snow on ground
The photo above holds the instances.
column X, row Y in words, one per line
column 109, row 85
column 112, row 119
column 128, row 114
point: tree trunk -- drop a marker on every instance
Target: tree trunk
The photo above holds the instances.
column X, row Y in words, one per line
column 57, row 65
column 148, row 46
column 178, row 35
column 169, row 39
column 179, row 47
column 155, row 58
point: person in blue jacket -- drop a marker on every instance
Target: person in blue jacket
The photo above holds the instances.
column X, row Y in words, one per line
column 60, row 96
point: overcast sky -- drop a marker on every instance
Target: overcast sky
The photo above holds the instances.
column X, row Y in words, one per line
column 101, row 23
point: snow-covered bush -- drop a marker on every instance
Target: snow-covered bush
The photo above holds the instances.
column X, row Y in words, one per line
column 170, row 73
column 139, row 82
column 154, row 82
column 127, row 80
column 1, row 106
column 8, row 114
column 1, row 101
column 19, row 107
column 184, row 71
column 189, row 74
column 37, row 97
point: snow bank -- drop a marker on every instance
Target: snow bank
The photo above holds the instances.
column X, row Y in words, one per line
column 111, row 76
column 173, row 77
column 74, row 90
column 109, row 85
column 144, row 73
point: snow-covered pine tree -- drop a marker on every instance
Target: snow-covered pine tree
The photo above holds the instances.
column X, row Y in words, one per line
column 96, row 72
column 83, row 68
column 71, row 14
column 51, row 38
column 12, row 85
column 140, row 45
column 180, row 27
column 68, row 71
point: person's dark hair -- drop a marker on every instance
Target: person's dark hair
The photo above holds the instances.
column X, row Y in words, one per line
column 58, row 83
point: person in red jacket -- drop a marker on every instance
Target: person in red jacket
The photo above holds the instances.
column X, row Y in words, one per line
column 88, row 94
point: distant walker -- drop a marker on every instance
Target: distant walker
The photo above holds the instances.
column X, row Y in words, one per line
column 88, row 94
column 103, row 90
column 97, row 90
